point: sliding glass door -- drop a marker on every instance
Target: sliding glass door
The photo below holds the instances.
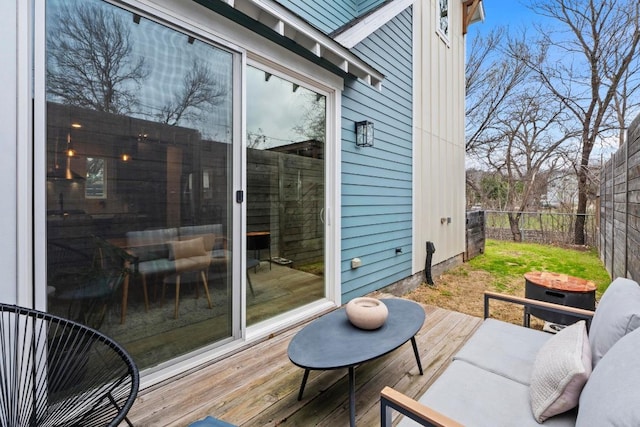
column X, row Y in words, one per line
column 139, row 136
column 144, row 162
column 286, row 135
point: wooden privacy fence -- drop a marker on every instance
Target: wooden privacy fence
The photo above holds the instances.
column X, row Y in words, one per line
column 474, row 234
column 620, row 208
column 285, row 196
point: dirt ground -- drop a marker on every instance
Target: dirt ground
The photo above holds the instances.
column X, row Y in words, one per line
column 462, row 288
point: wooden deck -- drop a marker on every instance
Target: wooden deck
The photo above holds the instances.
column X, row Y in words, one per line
column 259, row 386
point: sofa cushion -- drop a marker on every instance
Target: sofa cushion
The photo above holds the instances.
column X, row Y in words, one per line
column 504, row 349
column 560, row 371
column 612, row 393
column 194, row 263
column 156, row 266
column 475, row 397
column 211, row 233
column 617, row 314
column 150, row 245
column 186, row 248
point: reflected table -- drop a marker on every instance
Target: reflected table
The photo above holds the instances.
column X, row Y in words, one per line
column 258, row 241
column 332, row 342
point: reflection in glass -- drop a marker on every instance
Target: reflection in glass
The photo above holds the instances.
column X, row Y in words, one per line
column 286, row 133
column 95, row 187
column 137, row 239
column 443, row 21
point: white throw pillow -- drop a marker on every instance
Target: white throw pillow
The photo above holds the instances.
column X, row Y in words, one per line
column 560, row 371
column 617, row 314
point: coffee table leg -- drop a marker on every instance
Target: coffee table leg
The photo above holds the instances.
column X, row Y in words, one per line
column 304, row 382
column 352, row 396
column 415, row 351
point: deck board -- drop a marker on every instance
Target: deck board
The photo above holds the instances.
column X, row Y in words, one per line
column 259, row 386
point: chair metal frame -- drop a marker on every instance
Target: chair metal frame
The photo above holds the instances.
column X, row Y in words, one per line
column 58, row 372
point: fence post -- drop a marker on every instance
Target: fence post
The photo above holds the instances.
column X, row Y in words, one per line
column 626, row 208
column 613, row 209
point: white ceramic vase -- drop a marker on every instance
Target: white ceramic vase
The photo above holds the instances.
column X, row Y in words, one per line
column 367, row 313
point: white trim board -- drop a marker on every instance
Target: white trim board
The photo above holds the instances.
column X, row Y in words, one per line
column 365, row 27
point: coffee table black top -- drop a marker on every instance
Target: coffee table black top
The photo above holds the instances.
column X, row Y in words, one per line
column 332, row 342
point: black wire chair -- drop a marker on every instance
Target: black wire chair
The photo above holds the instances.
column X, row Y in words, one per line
column 57, row 372
column 90, row 292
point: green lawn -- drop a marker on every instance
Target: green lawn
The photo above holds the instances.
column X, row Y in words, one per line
column 507, row 261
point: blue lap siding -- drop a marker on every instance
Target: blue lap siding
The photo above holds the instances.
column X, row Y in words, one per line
column 377, row 181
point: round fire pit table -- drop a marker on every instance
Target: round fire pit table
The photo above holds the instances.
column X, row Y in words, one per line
column 559, row 289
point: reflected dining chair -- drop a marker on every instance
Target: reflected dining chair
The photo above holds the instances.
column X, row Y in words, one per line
column 188, row 256
column 149, row 247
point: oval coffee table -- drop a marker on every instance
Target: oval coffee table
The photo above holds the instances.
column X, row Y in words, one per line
column 332, row 342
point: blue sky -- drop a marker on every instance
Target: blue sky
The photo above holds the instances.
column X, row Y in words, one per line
column 515, row 15
column 511, row 13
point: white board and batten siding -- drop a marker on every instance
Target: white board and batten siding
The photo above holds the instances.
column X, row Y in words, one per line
column 439, row 144
column 15, row 137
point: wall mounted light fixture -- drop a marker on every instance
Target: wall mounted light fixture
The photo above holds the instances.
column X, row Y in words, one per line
column 364, row 134
column 127, row 149
column 70, row 150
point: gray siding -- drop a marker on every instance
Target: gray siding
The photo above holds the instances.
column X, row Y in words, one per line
column 377, row 181
column 328, row 15
column 366, row 5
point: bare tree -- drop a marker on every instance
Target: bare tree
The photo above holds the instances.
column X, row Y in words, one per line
column 313, row 124
column 486, row 188
column 528, row 151
column 585, row 67
column 623, row 100
column 256, row 139
column 199, row 90
column 90, row 61
column 491, row 78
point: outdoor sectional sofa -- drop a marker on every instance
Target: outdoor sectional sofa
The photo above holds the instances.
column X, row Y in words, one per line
column 154, row 248
column 507, row 375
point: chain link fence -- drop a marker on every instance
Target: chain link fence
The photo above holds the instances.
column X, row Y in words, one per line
column 540, row 227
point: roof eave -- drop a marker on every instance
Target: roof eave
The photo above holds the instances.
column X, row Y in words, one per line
column 278, row 24
column 472, row 12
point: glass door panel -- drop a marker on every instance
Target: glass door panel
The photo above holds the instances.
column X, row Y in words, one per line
column 286, row 133
column 139, row 179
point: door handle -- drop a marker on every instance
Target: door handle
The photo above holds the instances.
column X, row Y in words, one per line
column 325, row 216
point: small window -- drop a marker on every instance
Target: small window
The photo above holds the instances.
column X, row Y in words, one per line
column 443, row 18
column 96, row 184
